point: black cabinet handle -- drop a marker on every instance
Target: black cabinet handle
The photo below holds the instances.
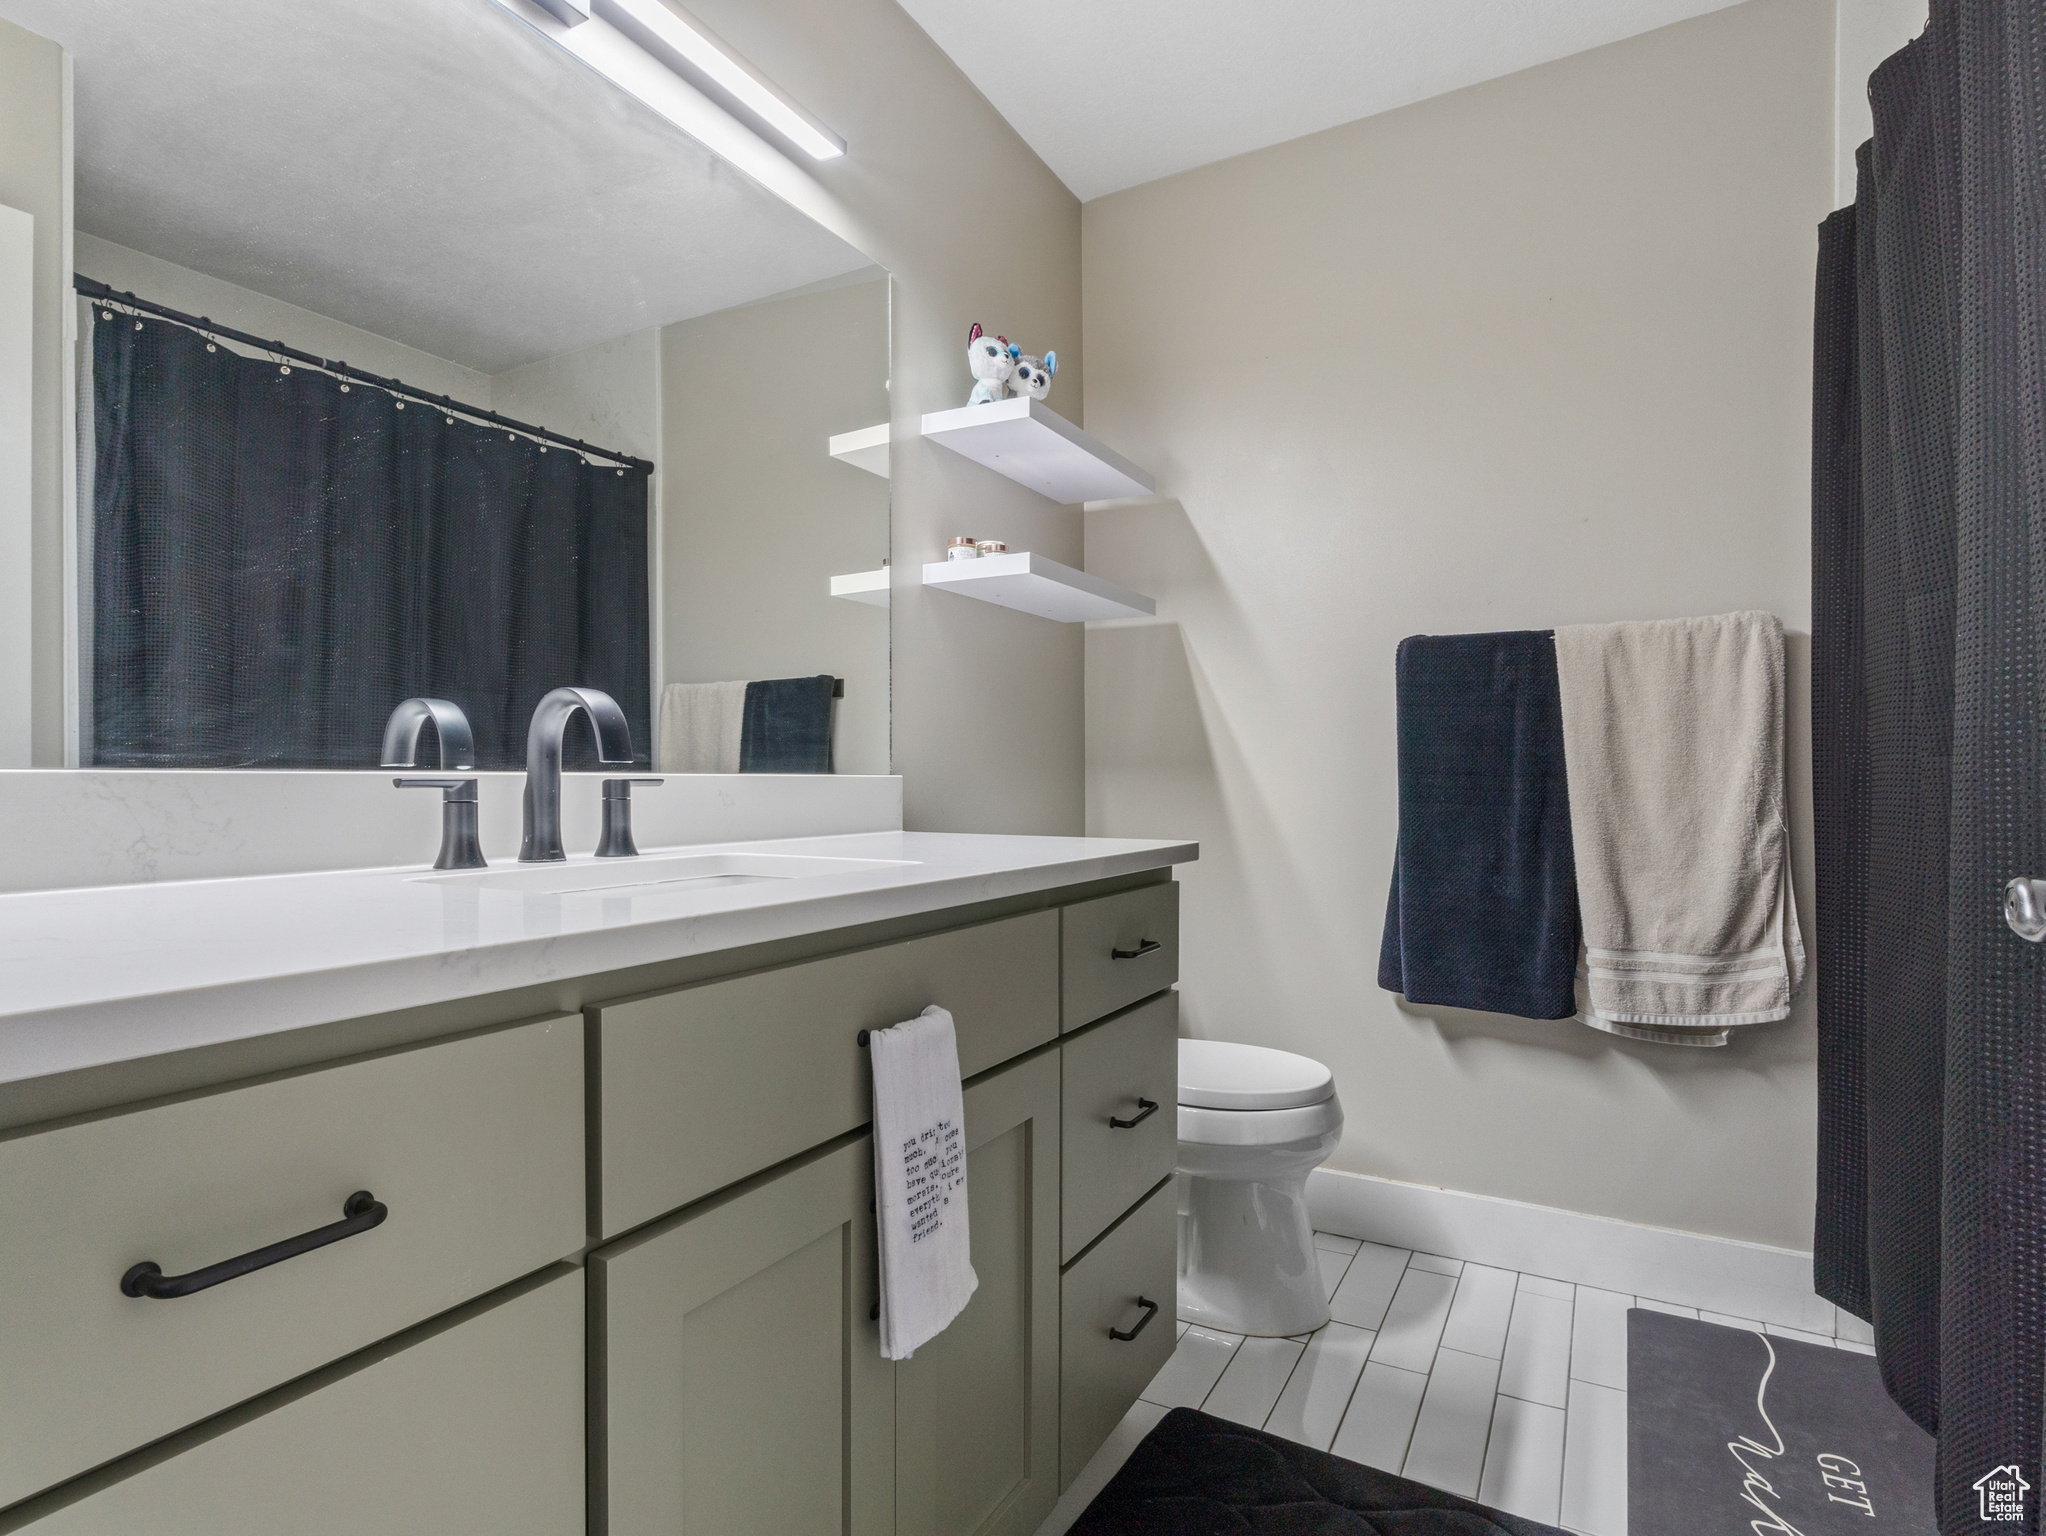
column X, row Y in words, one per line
column 1142, row 949
column 359, row 1213
column 1150, row 1311
column 1145, row 1110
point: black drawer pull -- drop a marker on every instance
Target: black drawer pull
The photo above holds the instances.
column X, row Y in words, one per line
column 1145, row 1110
column 359, row 1213
column 1150, row 1311
column 1141, row 950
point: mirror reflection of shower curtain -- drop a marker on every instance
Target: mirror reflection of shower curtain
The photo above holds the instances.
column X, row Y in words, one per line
column 1929, row 637
column 279, row 556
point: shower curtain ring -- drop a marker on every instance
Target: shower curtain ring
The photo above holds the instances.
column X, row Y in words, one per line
column 2024, row 908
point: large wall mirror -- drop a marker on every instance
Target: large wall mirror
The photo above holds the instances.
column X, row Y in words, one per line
column 414, row 357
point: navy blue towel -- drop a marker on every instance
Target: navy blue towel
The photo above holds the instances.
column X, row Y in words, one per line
column 1484, row 888
column 787, row 726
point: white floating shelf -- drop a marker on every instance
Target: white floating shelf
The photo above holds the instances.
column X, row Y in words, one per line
column 1033, row 584
column 865, row 449
column 863, row 587
column 1033, row 445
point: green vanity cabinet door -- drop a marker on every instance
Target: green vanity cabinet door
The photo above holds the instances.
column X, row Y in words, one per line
column 706, row 1085
column 473, row 1427
column 738, row 1385
column 977, row 1407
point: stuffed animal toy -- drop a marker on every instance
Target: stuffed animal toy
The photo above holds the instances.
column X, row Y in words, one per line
column 1033, row 375
column 992, row 360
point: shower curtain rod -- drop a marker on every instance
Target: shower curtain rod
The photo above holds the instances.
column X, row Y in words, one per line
column 92, row 288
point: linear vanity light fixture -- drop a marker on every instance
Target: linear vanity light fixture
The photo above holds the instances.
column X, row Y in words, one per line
column 669, row 30
column 701, row 51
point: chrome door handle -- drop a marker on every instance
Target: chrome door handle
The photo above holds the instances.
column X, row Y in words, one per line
column 2024, row 908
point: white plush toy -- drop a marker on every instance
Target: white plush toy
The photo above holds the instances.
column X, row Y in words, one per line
column 1033, row 375
column 992, row 360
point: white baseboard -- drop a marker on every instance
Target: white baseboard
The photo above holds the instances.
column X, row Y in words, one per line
column 1715, row 1274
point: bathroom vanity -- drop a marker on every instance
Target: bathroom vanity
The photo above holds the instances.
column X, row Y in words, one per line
column 533, row 1198
column 616, row 1119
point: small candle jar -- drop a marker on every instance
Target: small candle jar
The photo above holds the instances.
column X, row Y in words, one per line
column 988, row 547
column 964, row 548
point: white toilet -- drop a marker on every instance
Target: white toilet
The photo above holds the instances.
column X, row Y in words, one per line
column 1253, row 1123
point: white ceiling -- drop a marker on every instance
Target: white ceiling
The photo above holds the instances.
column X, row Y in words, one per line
column 1111, row 93
column 434, row 171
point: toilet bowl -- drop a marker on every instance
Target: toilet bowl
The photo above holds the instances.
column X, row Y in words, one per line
column 1253, row 1123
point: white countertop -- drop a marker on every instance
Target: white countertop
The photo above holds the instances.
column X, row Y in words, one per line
column 116, row 973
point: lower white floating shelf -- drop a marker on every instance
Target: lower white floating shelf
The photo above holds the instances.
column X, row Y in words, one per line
column 863, row 587
column 1032, row 584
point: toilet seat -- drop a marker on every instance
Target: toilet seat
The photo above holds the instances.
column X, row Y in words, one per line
column 1259, row 1127
column 1227, row 1075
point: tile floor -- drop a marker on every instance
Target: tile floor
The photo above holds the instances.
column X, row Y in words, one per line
column 1504, row 1387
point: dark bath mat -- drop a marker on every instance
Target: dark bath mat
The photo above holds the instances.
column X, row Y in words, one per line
column 1195, row 1475
column 1728, row 1428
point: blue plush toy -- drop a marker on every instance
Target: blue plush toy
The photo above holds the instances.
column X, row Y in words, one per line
column 1032, row 375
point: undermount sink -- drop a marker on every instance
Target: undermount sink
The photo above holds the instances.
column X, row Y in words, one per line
column 687, row 871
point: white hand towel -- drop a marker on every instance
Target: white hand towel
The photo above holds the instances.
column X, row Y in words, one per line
column 920, row 1181
column 701, row 726
column 1673, row 745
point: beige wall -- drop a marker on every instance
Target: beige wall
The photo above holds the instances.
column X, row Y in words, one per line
column 244, row 309
column 757, row 517
column 1534, row 353
column 35, row 176
column 938, row 189
column 607, row 393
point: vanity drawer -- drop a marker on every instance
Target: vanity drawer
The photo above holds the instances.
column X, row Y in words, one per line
column 1101, row 1375
column 1117, row 949
column 478, row 1427
column 1106, row 1071
column 474, row 1146
column 701, row 1087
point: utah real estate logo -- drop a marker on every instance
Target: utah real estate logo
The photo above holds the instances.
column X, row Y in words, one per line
column 2003, row 1495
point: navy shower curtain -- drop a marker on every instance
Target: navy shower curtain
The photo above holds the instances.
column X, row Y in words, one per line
column 1929, row 637
column 279, row 557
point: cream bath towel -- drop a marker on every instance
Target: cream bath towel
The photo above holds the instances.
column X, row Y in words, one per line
column 701, row 727
column 1673, row 742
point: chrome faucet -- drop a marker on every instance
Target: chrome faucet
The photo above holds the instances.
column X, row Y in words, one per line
column 542, row 842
